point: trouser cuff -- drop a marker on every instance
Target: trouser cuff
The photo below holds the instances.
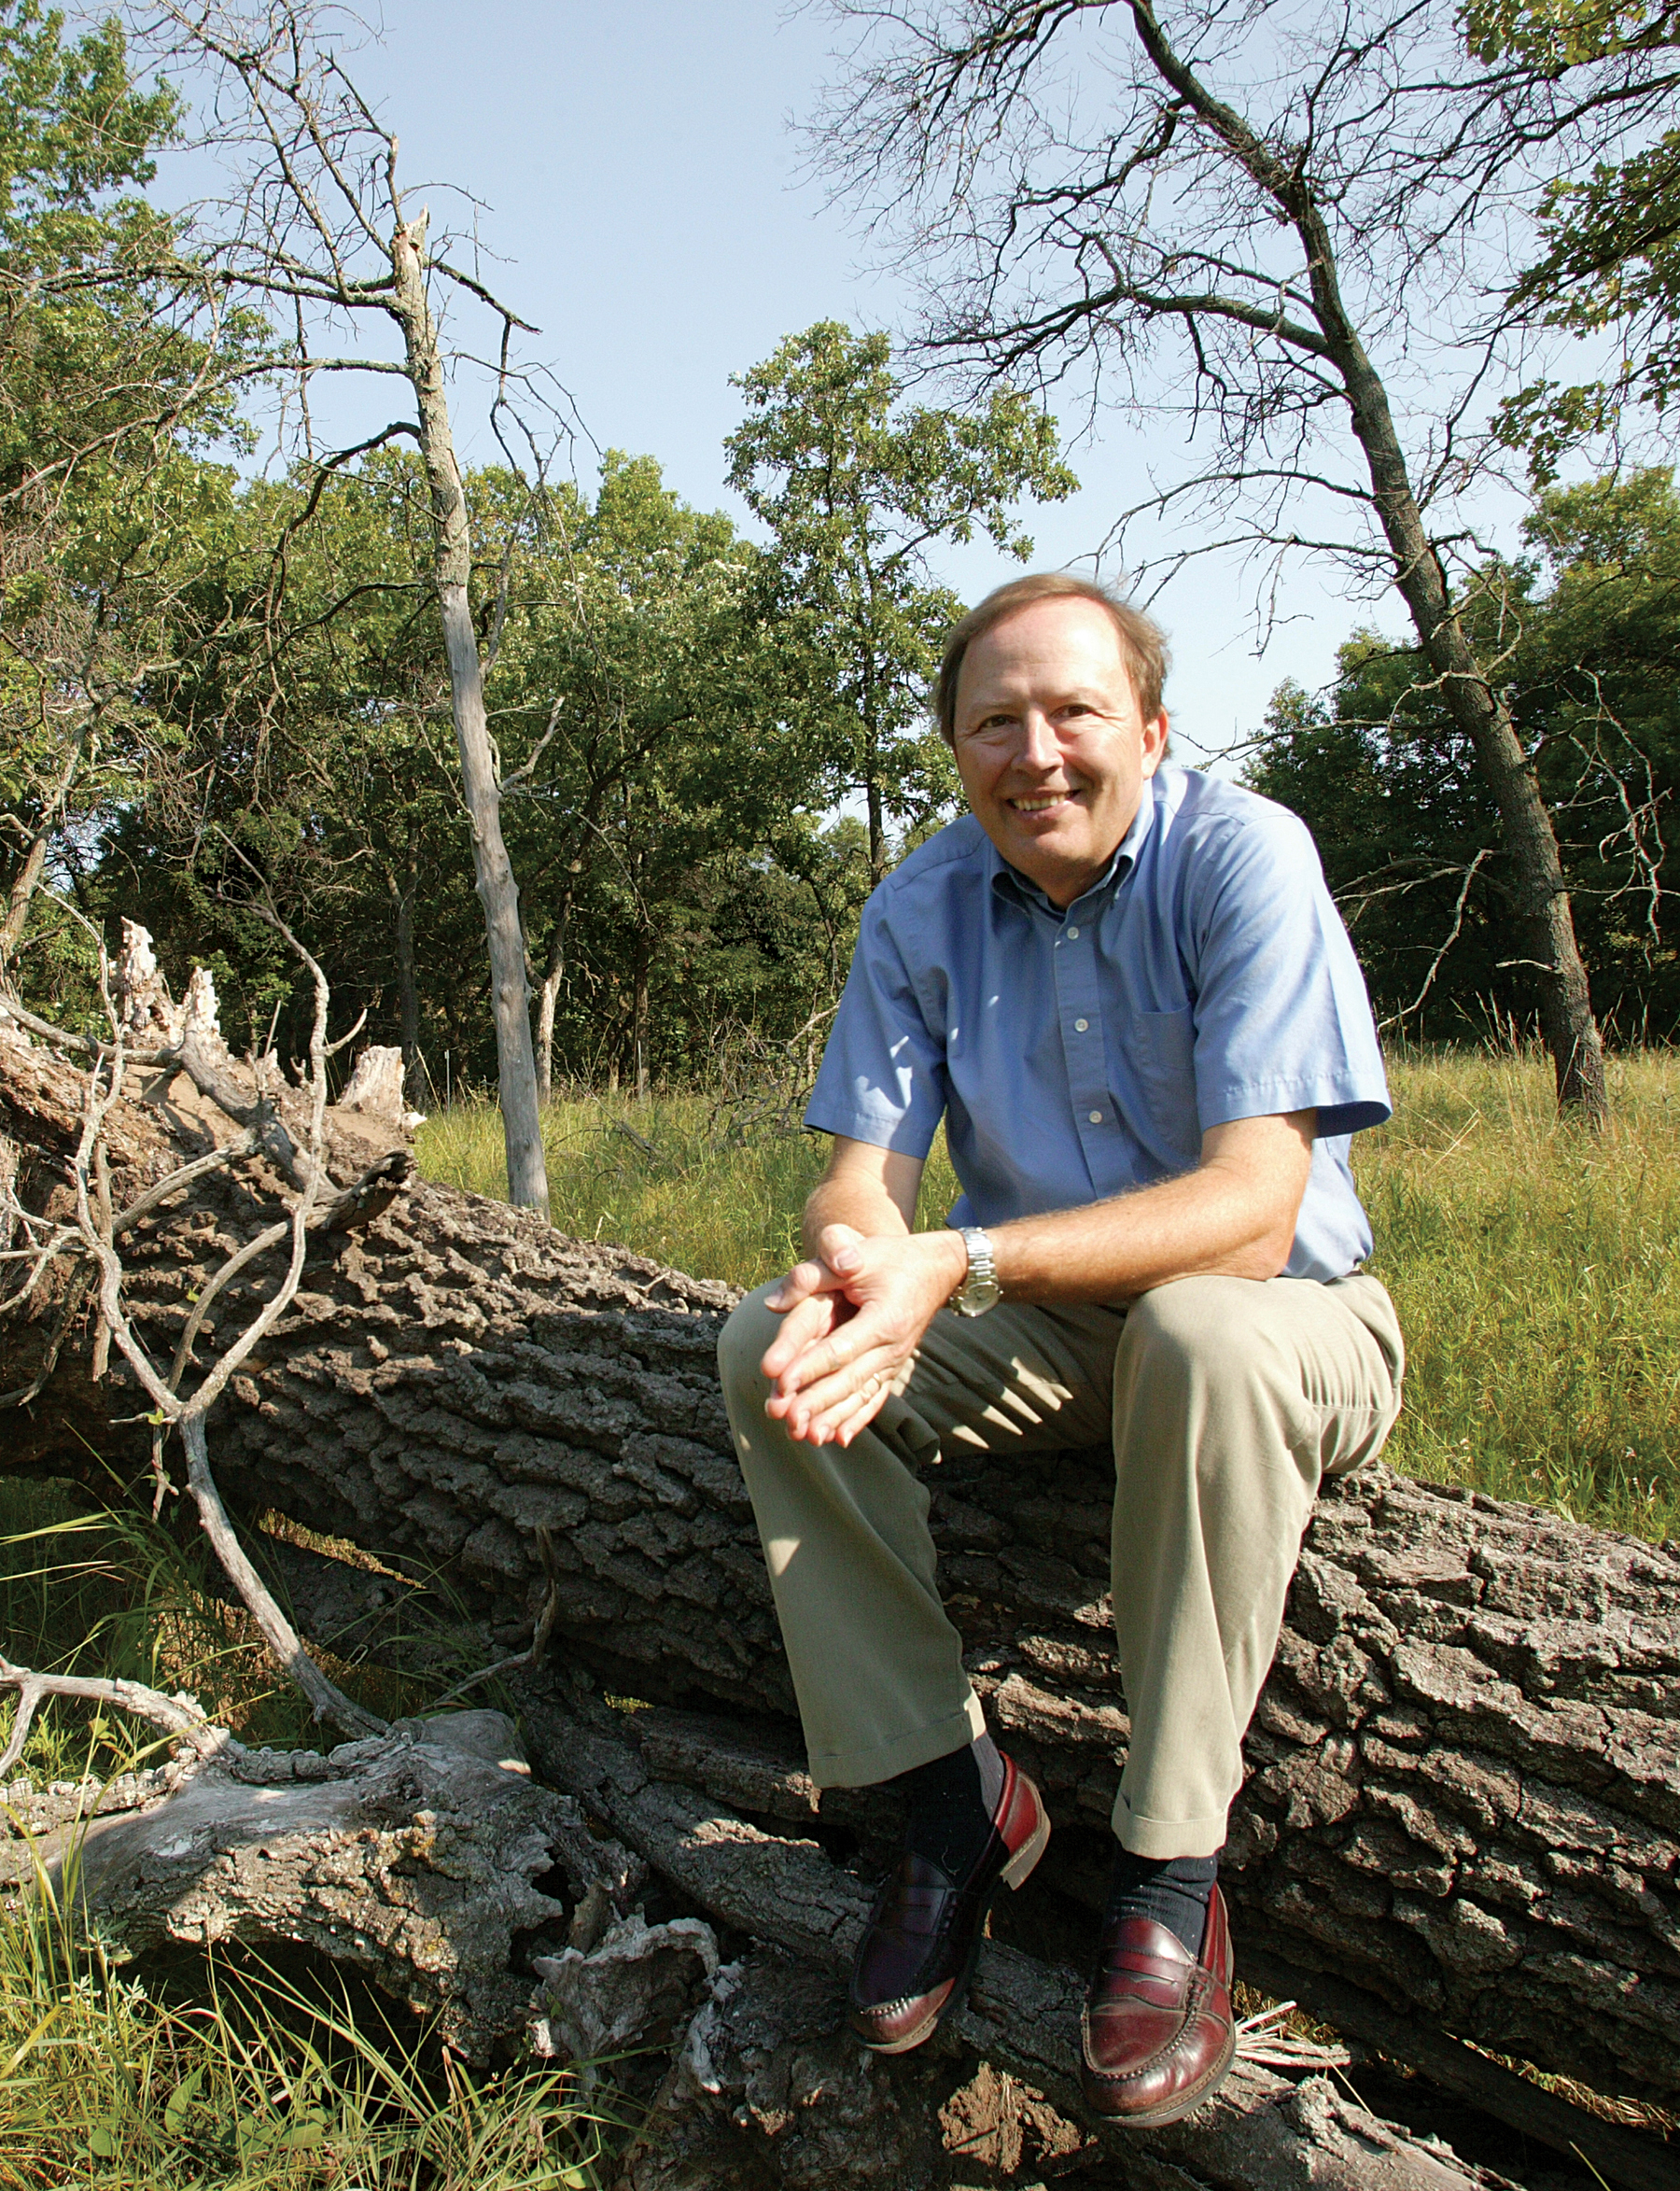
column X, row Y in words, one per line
column 886, row 1761
column 1161, row 1838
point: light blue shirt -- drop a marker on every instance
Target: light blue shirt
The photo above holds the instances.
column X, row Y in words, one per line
column 1205, row 976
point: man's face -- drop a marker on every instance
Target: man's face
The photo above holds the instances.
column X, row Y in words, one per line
column 1050, row 744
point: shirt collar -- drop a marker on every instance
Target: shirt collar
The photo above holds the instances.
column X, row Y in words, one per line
column 1010, row 882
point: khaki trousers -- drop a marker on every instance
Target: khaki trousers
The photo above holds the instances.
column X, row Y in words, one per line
column 1227, row 1398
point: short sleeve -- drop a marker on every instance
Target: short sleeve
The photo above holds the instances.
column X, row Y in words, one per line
column 883, row 1076
column 1281, row 1019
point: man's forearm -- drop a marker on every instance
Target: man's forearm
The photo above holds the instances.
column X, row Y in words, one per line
column 1234, row 1216
column 860, row 1202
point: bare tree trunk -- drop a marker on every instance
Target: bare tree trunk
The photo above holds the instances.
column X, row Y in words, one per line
column 877, row 833
column 1571, row 1030
column 548, row 996
column 527, row 1177
column 24, row 884
column 1542, row 898
column 872, row 776
column 554, row 975
column 27, row 879
column 639, row 1017
column 408, row 989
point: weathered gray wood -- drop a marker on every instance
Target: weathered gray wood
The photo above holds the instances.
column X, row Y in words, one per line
column 1623, row 2158
column 885, row 2119
column 480, row 779
column 413, row 1857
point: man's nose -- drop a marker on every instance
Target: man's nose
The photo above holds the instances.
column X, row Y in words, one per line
column 1040, row 748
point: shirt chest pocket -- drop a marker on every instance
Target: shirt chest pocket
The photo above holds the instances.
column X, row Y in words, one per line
column 1162, row 1062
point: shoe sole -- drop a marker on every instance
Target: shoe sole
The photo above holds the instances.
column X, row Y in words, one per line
column 1015, row 1873
column 1172, row 2111
column 1020, row 1867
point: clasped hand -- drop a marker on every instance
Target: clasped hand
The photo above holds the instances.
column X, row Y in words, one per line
column 855, row 1313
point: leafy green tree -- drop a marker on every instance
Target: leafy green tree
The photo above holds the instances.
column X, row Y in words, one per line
column 683, row 886
column 632, row 677
column 109, row 392
column 856, row 486
column 1610, row 260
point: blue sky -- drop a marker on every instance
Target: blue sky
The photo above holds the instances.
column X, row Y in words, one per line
column 641, row 186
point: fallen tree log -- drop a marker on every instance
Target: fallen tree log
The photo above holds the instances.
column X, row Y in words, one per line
column 427, row 1857
column 1464, row 1788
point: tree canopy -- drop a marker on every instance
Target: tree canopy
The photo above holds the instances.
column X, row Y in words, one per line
column 227, row 695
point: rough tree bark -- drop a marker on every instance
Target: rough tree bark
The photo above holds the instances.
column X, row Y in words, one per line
column 1463, row 1802
column 414, row 1857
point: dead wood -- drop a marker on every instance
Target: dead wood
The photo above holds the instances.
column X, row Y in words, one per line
column 414, row 1857
column 1465, row 1788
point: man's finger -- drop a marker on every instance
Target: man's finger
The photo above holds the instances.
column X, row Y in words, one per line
column 838, row 1350
column 808, row 1323
column 841, row 1425
column 804, row 1279
column 838, row 1421
column 811, row 1412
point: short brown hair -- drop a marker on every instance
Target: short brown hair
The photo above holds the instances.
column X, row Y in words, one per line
column 1142, row 642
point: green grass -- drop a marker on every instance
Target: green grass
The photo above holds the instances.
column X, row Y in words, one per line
column 1534, row 1266
column 251, row 2079
column 260, row 2083
column 707, row 1187
column 1531, row 1262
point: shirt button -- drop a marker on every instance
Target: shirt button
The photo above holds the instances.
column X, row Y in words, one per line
column 1074, row 933
column 1095, row 1118
column 1080, row 1026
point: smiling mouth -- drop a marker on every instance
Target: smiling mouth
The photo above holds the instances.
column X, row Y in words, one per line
column 1043, row 802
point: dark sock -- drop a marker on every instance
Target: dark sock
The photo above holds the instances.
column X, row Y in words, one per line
column 950, row 1804
column 1174, row 1891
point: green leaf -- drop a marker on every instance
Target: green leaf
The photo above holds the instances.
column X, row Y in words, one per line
column 180, row 2100
column 307, row 2129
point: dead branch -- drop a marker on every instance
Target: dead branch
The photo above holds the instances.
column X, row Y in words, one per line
column 90, row 1240
column 179, row 1715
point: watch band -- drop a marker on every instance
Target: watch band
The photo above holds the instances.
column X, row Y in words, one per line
column 979, row 1290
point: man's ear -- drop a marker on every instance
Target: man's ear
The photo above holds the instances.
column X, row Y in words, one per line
column 1155, row 743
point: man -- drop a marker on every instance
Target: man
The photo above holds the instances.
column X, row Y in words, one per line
column 1124, row 988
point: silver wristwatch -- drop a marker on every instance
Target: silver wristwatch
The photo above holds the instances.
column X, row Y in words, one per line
column 980, row 1290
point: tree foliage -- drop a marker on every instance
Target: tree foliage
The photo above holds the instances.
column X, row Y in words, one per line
column 112, row 386
column 1609, row 265
column 1586, row 631
column 856, row 487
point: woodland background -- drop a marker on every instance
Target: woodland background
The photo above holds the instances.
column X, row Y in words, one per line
column 220, row 681
column 231, row 710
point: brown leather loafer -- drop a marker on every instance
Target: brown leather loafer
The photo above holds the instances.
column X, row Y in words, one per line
column 924, row 1930
column 1160, row 2037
